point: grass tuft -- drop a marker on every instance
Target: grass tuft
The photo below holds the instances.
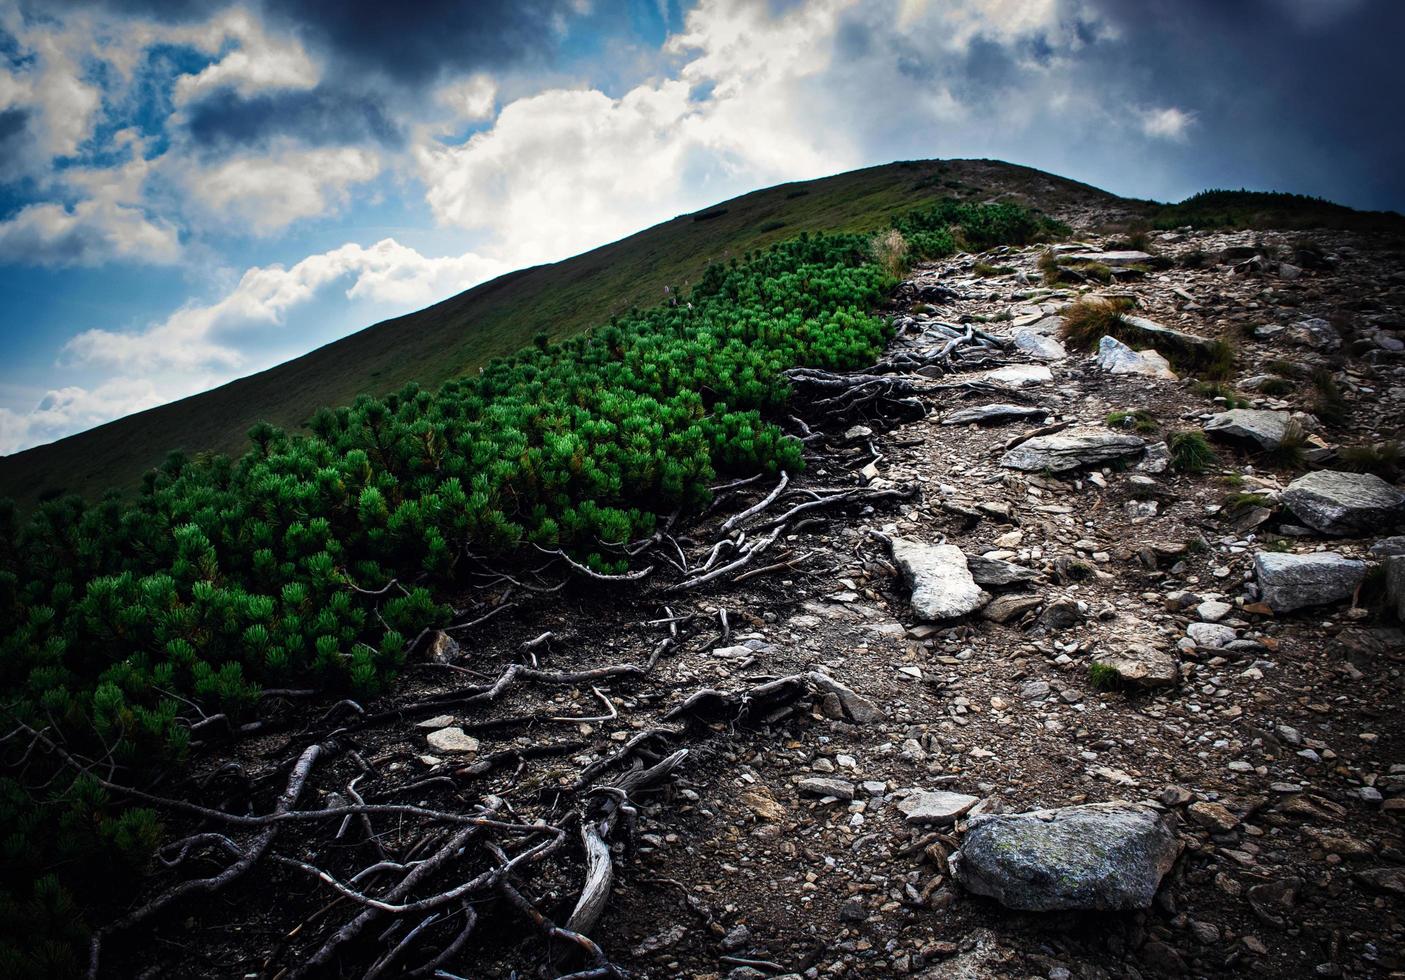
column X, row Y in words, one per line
column 1290, row 453
column 1091, row 318
column 1191, row 451
column 889, row 250
column 1383, row 459
column 1277, row 387
column 1104, row 678
column 1139, row 420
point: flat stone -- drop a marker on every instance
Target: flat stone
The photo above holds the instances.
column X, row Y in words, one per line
column 840, row 789
column 1153, row 332
column 941, row 583
column 1289, row 582
column 1212, row 610
column 993, row 414
column 1096, row 856
column 1038, row 345
column 1213, row 816
column 1018, row 375
column 1004, row 608
column 1261, row 426
column 1345, row 504
column 935, row 806
column 995, row 572
column 452, row 740
column 1211, row 635
column 1116, row 357
column 1140, row 665
column 1071, row 449
column 1115, row 258
column 437, row 722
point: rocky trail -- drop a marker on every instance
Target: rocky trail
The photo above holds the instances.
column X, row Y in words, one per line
column 997, row 688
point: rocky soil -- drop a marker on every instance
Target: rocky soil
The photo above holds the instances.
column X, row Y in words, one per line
column 1070, row 711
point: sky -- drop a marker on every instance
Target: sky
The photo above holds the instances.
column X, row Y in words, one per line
column 194, row 191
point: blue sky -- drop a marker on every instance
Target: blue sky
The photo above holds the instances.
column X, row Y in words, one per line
column 193, row 191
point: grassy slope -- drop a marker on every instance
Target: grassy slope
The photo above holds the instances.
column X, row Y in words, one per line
column 459, row 334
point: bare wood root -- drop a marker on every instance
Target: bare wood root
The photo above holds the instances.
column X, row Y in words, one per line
column 203, row 886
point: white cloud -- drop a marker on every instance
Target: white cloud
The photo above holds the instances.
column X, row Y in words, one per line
column 206, row 336
column 1169, row 123
column 88, row 233
column 64, row 411
column 469, row 98
column 265, row 193
column 567, row 169
column 260, row 63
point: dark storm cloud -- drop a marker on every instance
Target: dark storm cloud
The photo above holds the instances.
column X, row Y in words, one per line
column 1301, row 95
column 419, row 40
column 319, row 116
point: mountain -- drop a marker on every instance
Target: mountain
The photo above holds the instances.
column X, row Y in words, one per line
column 458, row 335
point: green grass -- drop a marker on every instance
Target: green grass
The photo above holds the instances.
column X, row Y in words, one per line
column 456, row 337
column 1104, row 678
column 1290, row 453
column 1190, row 451
column 1243, row 501
column 1217, row 389
column 985, row 270
column 1139, row 420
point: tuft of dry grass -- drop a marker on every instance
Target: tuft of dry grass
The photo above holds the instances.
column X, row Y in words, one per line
column 1091, row 318
column 889, row 250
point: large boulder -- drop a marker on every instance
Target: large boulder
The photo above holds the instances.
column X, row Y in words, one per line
column 1345, row 503
column 1261, row 426
column 993, row 414
column 1288, row 582
column 942, row 586
column 1116, row 357
column 1096, row 856
column 1071, row 449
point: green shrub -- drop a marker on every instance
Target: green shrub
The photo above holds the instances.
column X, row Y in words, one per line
column 122, row 623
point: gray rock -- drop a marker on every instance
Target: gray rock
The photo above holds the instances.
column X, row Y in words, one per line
column 995, row 572
column 1004, row 608
column 840, row 789
column 1345, row 504
column 452, row 740
column 1212, row 610
column 1018, row 375
column 935, row 806
column 1212, row 636
column 1267, row 428
column 1156, row 460
column 1315, row 333
column 1288, row 582
column 1096, row 856
column 1140, row 666
column 1154, row 332
column 1395, row 585
column 443, row 648
column 1116, row 357
column 852, row 705
column 1037, row 345
column 942, row 586
column 1061, row 614
column 1118, row 258
column 1071, row 449
column 1386, row 547
column 993, row 414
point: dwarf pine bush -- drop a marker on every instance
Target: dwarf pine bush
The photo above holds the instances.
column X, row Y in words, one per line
column 121, row 623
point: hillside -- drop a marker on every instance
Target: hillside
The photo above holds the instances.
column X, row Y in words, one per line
column 456, row 336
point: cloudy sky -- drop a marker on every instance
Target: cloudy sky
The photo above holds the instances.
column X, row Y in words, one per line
column 193, row 191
